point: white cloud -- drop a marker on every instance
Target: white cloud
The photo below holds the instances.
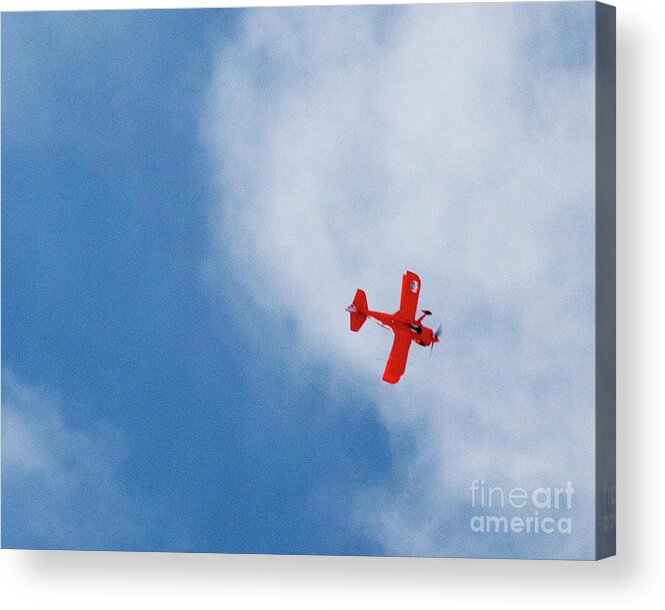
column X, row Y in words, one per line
column 353, row 144
column 62, row 482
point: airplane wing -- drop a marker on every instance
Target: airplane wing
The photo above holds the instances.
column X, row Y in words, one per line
column 410, row 291
column 398, row 355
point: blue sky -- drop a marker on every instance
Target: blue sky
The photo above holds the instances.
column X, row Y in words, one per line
column 105, row 188
column 190, row 199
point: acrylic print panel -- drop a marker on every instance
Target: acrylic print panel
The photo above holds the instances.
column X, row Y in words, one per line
column 192, row 198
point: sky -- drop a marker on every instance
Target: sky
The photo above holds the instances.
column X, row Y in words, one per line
column 191, row 198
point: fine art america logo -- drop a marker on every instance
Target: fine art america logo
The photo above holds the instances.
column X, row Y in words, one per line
column 519, row 510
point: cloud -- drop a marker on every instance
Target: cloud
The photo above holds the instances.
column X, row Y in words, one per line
column 62, row 483
column 351, row 144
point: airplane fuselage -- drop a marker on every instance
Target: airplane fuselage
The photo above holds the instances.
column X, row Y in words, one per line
column 420, row 334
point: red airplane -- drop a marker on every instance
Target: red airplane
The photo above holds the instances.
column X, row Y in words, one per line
column 403, row 323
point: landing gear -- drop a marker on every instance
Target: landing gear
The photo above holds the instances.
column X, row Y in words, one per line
column 426, row 312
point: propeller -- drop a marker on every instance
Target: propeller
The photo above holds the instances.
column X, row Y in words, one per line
column 435, row 335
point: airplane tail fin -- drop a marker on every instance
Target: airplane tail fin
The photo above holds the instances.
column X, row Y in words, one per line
column 358, row 310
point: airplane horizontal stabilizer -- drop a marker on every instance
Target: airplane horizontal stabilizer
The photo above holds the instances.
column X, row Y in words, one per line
column 358, row 310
